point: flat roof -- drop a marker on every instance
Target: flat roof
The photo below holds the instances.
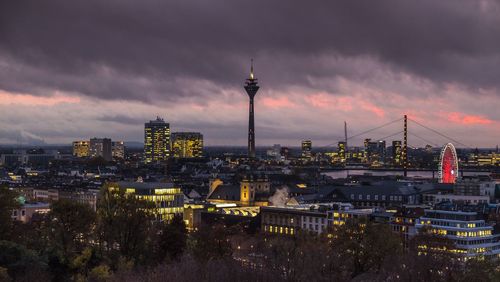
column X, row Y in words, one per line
column 144, row 185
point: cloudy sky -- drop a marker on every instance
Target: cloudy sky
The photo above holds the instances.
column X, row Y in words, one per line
column 78, row 69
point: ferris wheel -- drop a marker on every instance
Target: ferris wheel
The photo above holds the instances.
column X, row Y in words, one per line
column 448, row 164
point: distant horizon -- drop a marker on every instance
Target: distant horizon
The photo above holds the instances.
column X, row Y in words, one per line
column 140, row 144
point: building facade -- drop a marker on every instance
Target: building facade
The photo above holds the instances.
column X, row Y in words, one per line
column 342, row 151
column 306, row 149
column 81, row 148
column 470, row 234
column 187, row 145
column 396, row 153
column 118, row 149
column 28, row 210
column 288, row 220
column 168, row 199
column 475, row 186
column 156, row 141
column 101, row 147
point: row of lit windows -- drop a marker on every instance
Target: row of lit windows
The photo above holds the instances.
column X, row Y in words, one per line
column 337, row 215
column 480, row 233
column 279, row 229
column 169, row 210
column 452, row 224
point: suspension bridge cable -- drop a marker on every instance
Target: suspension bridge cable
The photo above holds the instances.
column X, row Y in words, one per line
column 366, row 131
column 373, row 129
column 423, row 139
column 440, row 134
column 388, row 136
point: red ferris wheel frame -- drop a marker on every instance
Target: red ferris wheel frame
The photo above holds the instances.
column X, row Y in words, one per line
column 448, row 164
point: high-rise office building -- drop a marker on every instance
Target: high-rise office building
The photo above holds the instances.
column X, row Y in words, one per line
column 307, row 149
column 156, row 140
column 81, row 148
column 396, row 153
column 101, row 147
column 251, row 87
column 274, row 152
column 118, row 149
column 187, row 145
column 366, row 150
column 341, row 151
column 285, row 153
column 381, row 151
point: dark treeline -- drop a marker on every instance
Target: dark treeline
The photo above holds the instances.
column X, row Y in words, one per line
column 122, row 242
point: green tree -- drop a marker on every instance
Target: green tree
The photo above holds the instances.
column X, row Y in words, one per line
column 71, row 226
column 480, row 269
column 172, row 239
column 4, row 275
column 125, row 225
column 100, row 273
column 8, row 203
column 19, row 261
column 212, row 242
column 430, row 258
column 363, row 247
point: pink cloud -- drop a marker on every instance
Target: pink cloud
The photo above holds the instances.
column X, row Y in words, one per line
column 468, row 119
column 372, row 108
column 7, row 98
column 280, row 102
column 324, row 100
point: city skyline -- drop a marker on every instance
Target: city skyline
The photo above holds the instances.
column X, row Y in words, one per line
column 81, row 73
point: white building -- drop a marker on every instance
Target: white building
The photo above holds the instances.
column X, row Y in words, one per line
column 474, row 200
column 26, row 211
column 471, row 235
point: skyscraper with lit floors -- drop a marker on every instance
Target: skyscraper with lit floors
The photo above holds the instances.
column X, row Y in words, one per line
column 156, row 141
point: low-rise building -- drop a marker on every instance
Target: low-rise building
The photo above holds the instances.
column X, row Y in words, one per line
column 342, row 215
column 28, row 210
column 475, row 186
column 468, row 231
column 168, row 199
column 403, row 223
column 288, row 220
column 46, row 195
column 466, row 199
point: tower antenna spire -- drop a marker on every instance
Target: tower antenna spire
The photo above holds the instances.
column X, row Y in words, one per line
column 251, row 68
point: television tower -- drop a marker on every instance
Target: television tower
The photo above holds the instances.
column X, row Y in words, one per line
column 251, row 87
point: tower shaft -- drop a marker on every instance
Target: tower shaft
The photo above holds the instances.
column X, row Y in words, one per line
column 251, row 130
column 405, row 146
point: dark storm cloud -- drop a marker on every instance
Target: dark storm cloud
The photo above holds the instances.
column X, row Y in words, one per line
column 123, row 119
column 143, row 50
